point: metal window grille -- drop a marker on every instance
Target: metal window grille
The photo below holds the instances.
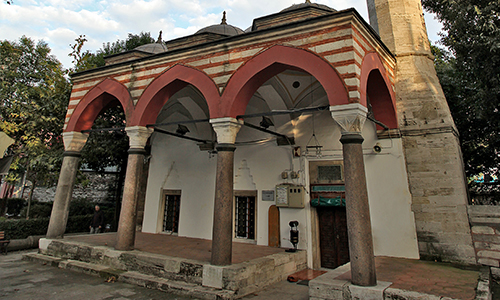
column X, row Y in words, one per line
column 245, row 217
column 171, row 214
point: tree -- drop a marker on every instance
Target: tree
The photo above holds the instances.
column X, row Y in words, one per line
column 107, row 148
column 85, row 60
column 34, row 95
column 470, row 76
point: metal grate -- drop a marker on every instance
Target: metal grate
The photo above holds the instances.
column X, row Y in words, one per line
column 171, row 213
column 245, row 217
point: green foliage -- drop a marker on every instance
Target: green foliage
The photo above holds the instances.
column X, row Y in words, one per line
column 85, row 60
column 38, row 210
column 107, row 148
column 21, row 228
column 470, row 76
column 80, row 207
column 14, row 205
column 34, row 95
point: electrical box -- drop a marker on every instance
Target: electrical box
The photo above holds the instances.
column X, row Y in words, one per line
column 289, row 195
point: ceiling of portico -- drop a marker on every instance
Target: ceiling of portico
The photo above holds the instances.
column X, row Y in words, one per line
column 288, row 90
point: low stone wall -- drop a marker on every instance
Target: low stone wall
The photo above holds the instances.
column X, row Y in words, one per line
column 485, row 228
column 237, row 280
column 254, row 275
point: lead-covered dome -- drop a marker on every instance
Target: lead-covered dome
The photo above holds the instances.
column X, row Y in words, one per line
column 153, row 48
column 223, row 28
column 308, row 4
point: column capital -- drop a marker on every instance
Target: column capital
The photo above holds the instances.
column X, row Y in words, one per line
column 350, row 117
column 138, row 136
column 226, row 129
column 74, row 141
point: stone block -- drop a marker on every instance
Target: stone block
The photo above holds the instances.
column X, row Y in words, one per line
column 369, row 292
column 43, row 259
column 280, row 259
column 495, row 273
column 482, row 230
column 396, row 294
column 191, row 269
column 487, row 238
column 488, row 254
column 172, row 265
column 332, row 289
column 212, row 276
column 486, row 246
column 240, row 271
column 43, row 245
column 488, row 262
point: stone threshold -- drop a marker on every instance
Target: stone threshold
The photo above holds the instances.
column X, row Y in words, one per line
column 172, row 274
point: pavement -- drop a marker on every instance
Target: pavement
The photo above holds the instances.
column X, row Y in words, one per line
column 21, row 279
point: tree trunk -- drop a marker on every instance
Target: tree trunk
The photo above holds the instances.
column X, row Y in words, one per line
column 30, row 197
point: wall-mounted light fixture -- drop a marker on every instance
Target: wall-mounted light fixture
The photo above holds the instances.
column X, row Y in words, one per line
column 181, row 129
column 266, row 122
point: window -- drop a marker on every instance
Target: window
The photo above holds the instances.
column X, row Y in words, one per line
column 245, row 217
column 326, row 172
column 171, row 212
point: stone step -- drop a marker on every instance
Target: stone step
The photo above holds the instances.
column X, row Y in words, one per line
column 43, row 259
column 133, row 277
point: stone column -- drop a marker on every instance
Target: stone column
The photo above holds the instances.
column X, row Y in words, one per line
column 351, row 118
column 73, row 144
column 222, row 236
column 138, row 136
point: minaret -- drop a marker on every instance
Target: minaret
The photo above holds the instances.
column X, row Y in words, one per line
column 430, row 139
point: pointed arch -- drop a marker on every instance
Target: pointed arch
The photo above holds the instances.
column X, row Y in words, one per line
column 167, row 84
column 376, row 86
column 249, row 77
column 97, row 100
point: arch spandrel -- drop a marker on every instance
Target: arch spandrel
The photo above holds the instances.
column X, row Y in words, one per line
column 374, row 80
column 251, row 75
column 97, row 100
column 167, row 84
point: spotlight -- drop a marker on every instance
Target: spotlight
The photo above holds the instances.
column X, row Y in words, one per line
column 181, row 129
column 377, row 148
column 266, row 122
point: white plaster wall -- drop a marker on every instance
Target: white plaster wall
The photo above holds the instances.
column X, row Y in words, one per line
column 180, row 165
column 393, row 222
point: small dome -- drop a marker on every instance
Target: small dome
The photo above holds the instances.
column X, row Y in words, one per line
column 152, row 48
column 223, row 28
column 306, row 4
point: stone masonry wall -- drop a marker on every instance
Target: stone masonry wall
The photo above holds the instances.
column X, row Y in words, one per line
column 485, row 225
column 432, row 149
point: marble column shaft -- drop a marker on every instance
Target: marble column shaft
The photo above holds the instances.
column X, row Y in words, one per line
column 222, row 236
column 359, row 228
column 73, row 144
column 138, row 137
column 125, row 238
column 64, row 193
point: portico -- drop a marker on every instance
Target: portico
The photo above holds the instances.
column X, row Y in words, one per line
column 327, row 76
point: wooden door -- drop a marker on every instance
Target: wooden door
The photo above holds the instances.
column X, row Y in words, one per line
column 274, row 227
column 334, row 244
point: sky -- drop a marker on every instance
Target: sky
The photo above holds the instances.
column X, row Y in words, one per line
column 60, row 22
